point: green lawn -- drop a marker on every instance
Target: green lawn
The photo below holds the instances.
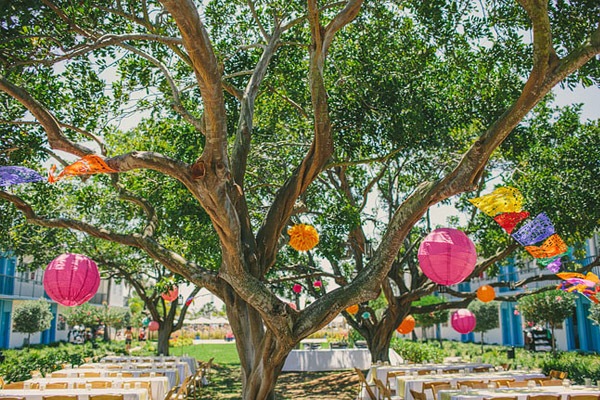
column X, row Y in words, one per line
column 223, row 353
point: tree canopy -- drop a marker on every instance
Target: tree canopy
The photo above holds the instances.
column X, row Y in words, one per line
column 227, row 122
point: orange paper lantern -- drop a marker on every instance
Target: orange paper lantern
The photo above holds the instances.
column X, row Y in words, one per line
column 303, row 237
column 171, row 295
column 486, row 293
column 407, row 325
column 352, row 309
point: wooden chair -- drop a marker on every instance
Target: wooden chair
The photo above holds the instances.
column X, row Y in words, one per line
column 558, row 374
column 481, row 369
column 522, row 384
column 506, row 366
column 417, row 395
column 14, row 385
column 549, row 382
column 580, row 397
column 106, row 397
column 502, row 382
column 13, row 398
column 94, row 384
column 500, row 398
column 363, row 383
column 435, row 386
column 57, row 385
column 58, row 374
column 473, row 384
column 172, row 393
column 59, row 397
column 143, row 385
column 451, row 371
column 148, row 374
column 544, row 397
column 183, row 391
column 90, row 374
column 123, row 374
column 384, row 393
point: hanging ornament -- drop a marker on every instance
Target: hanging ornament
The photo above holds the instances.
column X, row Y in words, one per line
column 71, row 279
column 508, row 221
column 87, row 165
column 171, row 295
column 353, row 309
column 463, row 321
column 303, row 237
column 297, row 288
column 534, row 231
column 15, row 175
column 317, row 285
column 447, row 256
column 551, row 247
column 153, row 326
column 366, row 315
column 502, row 200
column 486, row 293
column 293, row 305
column 407, row 325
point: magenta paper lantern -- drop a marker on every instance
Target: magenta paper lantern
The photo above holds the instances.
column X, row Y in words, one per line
column 463, row 321
column 447, row 256
column 71, row 279
column 153, row 326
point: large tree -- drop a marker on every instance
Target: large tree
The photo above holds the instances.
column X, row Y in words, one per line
column 202, row 75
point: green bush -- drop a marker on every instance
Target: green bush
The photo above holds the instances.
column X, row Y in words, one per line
column 578, row 366
column 418, row 352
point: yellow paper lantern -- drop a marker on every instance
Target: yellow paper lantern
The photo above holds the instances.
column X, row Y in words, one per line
column 303, row 237
column 486, row 293
column 352, row 309
column 407, row 325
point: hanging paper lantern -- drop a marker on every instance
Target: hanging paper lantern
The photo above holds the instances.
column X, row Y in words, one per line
column 501, row 200
column 535, row 230
column 447, row 256
column 508, row 221
column 14, row 175
column 171, row 295
column 317, row 285
column 297, row 288
column 153, row 326
column 407, row 325
column 463, row 321
column 486, row 293
column 293, row 305
column 366, row 315
column 71, row 279
column 303, row 237
column 87, row 165
column 353, row 309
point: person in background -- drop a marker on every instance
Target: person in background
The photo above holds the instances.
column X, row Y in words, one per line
column 142, row 335
column 128, row 339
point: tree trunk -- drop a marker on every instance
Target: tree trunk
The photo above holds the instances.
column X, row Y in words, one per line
column 380, row 347
column 481, row 342
column 164, row 333
column 552, row 340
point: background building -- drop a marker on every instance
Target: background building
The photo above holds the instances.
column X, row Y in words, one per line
column 17, row 286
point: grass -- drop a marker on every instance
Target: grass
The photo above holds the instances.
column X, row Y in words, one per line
column 223, row 353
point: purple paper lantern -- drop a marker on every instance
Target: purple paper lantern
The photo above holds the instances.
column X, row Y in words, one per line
column 71, row 279
column 447, row 256
column 463, row 321
column 14, row 175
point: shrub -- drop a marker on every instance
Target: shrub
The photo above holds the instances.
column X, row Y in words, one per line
column 418, row 352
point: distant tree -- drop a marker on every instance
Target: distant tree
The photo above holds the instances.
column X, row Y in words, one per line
column 594, row 314
column 85, row 315
column 551, row 307
column 487, row 317
column 116, row 317
column 31, row 317
column 429, row 319
column 208, row 310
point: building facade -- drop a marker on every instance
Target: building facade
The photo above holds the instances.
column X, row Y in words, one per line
column 575, row 333
column 18, row 286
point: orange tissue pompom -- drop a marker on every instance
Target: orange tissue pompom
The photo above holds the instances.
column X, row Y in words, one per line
column 353, row 309
column 303, row 237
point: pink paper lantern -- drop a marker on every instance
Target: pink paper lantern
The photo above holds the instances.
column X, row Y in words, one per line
column 297, row 288
column 71, row 279
column 447, row 256
column 171, row 295
column 463, row 321
column 153, row 326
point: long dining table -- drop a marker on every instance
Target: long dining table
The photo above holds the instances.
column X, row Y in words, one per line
column 159, row 385
column 519, row 393
column 171, row 374
column 82, row 394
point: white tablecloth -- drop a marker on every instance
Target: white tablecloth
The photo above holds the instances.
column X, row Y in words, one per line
column 82, row 394
column 182, row 367
column 191, row 361
column 171, row 374
column 330, row 360
column 159, row 385
column 520, row 393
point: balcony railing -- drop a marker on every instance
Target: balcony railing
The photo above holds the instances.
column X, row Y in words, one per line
column 23, row 287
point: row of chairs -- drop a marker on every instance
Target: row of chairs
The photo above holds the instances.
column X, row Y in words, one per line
column 91, row 374
column 73, row 397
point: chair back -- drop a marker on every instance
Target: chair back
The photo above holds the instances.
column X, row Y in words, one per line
column 106, row 397
column 549, row 382
column 558, row 374
column 418, row 395
column 544, row 397
column 363, row 383
column 517, row 384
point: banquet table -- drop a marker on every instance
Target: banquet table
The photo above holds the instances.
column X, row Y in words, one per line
column 191, row 361
column 182, row 367
column 520, row 393
column 171, row 374
column 159, row 385
column 82, row 394
column 331, row 360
